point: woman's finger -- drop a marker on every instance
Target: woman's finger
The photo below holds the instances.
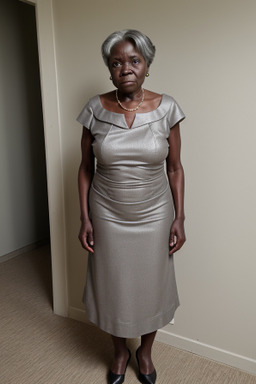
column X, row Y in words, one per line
column 173, row 240
column 178, row 244
column 87, row 246
column 90, row 239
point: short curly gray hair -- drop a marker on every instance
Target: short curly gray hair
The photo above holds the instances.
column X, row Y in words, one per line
column 141, row 42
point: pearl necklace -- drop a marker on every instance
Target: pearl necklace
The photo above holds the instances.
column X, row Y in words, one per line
column 128, row 109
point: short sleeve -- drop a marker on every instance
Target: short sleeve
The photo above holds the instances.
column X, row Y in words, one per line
column 175, row 114
column 85, row 116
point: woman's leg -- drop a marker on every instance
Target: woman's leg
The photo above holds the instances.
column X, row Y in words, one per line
column 144, row 353
column 121, row 355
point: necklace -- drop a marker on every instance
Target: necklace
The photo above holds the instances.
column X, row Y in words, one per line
column 128, row 109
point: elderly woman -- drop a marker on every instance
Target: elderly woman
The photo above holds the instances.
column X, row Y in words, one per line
column 132, row 206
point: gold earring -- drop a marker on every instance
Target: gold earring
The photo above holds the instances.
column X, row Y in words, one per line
column 147, row 74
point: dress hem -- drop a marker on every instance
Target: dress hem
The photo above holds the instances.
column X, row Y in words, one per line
column 118, row 330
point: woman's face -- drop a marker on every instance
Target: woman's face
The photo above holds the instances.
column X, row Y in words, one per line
column 127, row 67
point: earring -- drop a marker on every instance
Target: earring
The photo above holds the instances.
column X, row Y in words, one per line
column 110, row 78
column 147, row 74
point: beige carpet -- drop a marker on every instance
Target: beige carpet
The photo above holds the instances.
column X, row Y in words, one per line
column 38, row 347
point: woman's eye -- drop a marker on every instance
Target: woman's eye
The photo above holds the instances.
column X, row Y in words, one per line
column 136, row 61
column 116, row 64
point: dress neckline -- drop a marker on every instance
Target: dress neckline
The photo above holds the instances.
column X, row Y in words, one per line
column 140, row 119
column 137, row 113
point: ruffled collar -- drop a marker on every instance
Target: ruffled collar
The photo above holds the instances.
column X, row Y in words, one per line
column 140, row 119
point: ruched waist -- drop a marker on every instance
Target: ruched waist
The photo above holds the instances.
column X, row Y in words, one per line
column 130, row 191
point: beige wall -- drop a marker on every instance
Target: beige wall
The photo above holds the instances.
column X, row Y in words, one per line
column 206, row 59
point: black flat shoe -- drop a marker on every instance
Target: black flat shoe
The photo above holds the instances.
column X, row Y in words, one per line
column 114, row 378
column 143, row 378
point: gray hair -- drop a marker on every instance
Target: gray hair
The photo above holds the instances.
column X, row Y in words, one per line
column 141, row 42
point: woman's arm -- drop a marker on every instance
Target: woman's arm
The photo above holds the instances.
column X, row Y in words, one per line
column 176, row 180
column 85, row 175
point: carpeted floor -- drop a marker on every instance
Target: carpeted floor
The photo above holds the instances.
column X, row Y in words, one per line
column 38, row 347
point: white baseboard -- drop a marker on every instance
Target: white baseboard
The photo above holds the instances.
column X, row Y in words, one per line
column 204, row 350
column 208, row 351
column 20, row 251
column 78, row 314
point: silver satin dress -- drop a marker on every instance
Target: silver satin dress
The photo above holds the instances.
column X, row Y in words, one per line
column 130, row 287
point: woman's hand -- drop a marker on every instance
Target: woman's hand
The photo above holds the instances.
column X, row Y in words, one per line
column 85, row 176
column 86, row 236
column 177, row 236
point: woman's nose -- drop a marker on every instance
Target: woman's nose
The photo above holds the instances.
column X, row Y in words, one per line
column 126, row 69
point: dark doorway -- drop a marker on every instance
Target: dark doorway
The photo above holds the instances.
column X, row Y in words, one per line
column 27, row 22
column 24, row 199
